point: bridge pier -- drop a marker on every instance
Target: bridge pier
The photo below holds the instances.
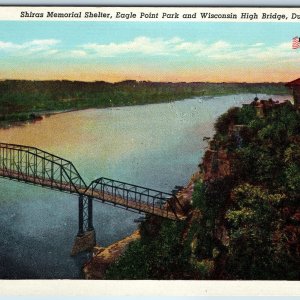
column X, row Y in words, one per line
column 84, row 242
column 90, row 214
column 80, row 215
column 86, row 237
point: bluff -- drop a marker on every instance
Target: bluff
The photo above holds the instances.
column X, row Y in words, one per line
column 242, row 206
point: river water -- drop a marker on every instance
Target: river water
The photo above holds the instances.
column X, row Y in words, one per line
column 157, row 146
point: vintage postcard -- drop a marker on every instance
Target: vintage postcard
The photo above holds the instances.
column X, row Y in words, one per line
column 150, row 143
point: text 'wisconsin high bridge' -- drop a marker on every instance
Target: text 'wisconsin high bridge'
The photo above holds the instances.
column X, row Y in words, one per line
column 35, row 166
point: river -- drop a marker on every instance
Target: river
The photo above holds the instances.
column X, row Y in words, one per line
column 157, row 146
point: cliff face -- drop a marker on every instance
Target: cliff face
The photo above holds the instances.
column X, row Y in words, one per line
column 243, row 208
column 216, row 164
column 249, row 178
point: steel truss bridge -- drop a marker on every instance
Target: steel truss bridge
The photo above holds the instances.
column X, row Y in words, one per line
column 35, row 166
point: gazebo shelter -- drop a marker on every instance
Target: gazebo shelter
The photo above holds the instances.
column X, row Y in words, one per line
column 295, row 86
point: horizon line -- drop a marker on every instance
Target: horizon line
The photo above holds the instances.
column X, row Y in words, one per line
column 145, row 81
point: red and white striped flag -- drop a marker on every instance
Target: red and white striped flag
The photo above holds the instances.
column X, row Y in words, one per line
column 295, row 42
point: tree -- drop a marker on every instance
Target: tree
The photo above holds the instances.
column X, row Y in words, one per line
column 255, row 244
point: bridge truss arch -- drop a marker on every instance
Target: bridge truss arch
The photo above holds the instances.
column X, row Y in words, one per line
column 38, row 167
column 33, row 165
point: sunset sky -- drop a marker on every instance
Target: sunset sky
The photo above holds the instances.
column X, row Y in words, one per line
column 160, row 51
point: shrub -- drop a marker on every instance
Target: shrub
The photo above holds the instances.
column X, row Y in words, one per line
column 223, row 122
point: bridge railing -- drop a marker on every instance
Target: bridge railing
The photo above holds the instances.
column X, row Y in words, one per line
column 133, row 196
column 36, row 166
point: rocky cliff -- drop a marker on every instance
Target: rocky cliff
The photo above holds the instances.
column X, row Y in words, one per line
column 243, row 208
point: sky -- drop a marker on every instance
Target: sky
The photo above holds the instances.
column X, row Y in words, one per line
column 156, row 51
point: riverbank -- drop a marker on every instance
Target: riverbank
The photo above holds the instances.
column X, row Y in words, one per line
column 51, row 96
column 27, row 118
column 104, row 257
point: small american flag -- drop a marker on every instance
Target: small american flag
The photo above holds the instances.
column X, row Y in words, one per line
column 296, row 42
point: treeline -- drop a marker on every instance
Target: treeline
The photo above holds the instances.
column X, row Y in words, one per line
column 20, row 96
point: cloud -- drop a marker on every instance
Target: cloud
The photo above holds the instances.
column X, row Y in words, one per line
column 258, row 52
column 155, row 47
column 30, row 47
column 78, row 53
column 214, row 51
column 143, row 46
column 257, row 45
column 191, row 47
column 6, row 45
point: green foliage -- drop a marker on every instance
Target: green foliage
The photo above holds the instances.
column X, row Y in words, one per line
column 159, row 257
column 255, row 251
column 209, row 198
column 269, row 161
column 246, row 114
column 132, row 265
column 291, row 170
column 256, row 124
column 216, row 195
column 292, row 175
column 224, row 121
column 262, row 159
column 198, row 197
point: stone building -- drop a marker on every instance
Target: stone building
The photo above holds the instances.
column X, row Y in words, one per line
column 295, row 86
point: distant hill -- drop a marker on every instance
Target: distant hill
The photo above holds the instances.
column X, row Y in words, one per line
column 20, row 98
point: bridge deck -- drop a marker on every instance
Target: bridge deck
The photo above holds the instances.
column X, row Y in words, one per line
column 53, row 184
column 162, row 211
column 138, row 206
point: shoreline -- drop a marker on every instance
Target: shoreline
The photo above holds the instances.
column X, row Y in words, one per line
column 103, row 257
column 37, row 116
